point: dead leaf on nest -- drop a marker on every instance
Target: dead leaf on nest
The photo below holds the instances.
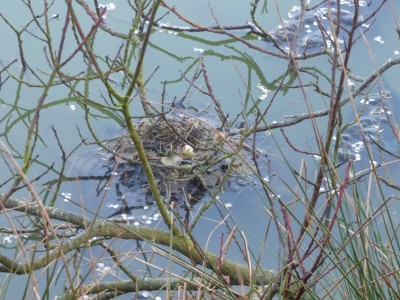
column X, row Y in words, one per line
column 174, row 160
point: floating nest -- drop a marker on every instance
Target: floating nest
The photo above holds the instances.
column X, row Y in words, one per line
column 188, row 156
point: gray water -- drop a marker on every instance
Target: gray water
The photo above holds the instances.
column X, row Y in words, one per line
column 232, row 73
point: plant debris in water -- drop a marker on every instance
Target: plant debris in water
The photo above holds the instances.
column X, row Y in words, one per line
column 171, row 142
column 188, row 156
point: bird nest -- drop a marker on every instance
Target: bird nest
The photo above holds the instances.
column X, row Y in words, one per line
column 186, row 155
column 171, row 143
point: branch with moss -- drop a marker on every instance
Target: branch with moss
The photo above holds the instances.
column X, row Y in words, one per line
column 94, row 231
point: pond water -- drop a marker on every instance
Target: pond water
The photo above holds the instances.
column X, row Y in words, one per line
column 235, row 72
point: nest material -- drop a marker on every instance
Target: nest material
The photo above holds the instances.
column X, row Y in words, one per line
column 185, row 137
column 181, row 151
column 187, row 156
column 177, row 148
